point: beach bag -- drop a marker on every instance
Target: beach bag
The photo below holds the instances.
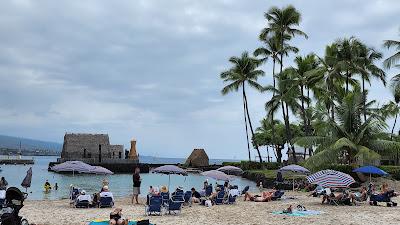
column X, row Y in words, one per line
column 143, row 222
column 208, row 203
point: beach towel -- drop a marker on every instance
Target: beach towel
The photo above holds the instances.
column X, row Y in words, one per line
column 106, row 222
column 298, row 213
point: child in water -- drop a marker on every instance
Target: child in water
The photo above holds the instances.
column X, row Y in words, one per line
column 47, row 186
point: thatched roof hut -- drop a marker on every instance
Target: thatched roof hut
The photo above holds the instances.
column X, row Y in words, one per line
column 198, row 158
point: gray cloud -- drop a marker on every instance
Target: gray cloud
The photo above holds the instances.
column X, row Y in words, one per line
column 150, row 69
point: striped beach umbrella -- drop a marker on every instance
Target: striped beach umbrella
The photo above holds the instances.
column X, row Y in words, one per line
column 331, row 179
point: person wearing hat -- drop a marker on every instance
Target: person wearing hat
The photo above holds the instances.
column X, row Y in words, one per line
column 83, row 197
column 164, row 189
column 106, row 193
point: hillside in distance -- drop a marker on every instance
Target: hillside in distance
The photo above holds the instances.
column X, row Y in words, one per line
column 10, row 142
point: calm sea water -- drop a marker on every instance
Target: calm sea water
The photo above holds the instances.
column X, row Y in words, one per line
column 120, row 184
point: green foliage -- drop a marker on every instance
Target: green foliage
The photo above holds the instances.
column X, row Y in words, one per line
column 246, row 165
column 338, row 167
column 394, row 171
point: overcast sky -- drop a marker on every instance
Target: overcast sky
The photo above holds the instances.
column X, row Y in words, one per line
column 149, row 69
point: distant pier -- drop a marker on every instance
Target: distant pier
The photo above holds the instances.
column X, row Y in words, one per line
column 17, row 161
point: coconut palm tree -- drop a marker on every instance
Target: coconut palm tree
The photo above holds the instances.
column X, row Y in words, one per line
column 244, row 71
column 367, row 69
column 348, row 137
column 282, row 23
column 393, row 59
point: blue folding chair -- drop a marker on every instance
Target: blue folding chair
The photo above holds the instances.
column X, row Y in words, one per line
column 105, row 202
column 82, row 204
column 209, row 190
column 188, row 197
column 219, row 200
column 246, row 189
column 175, row 203
column 155, row 205
column 231, row 199
column 165, row 198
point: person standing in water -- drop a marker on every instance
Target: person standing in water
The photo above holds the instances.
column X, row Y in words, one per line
column 3, row 183
column 136, row 185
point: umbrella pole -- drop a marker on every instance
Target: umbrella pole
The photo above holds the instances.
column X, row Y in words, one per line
column 370, row 178
column 169, row 182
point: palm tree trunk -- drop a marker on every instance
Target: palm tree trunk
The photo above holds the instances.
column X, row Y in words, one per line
column 289, row 134
column 251, row 126
column 364, row 100
column 245, row 124
column 272, row 114
column 267, row 154
column 394, row 124
column 347, row 81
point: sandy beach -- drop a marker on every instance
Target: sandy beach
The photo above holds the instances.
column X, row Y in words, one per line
column 59, row 212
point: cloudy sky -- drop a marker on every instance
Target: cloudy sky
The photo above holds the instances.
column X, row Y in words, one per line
column 149, row 69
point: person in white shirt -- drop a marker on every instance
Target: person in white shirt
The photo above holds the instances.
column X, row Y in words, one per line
column 84, row 197
column 106, row 193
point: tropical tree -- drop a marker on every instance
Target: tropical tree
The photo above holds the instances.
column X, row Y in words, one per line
column 243, row 71
column 348, row 137
column 392, row 60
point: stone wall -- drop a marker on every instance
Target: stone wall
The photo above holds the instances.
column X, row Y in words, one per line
column 92, row 147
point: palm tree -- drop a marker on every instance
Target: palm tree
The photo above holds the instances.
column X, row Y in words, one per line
column 367, row 69
column 244, row 71
column 281, row 23
column 392, row 60
column 392, row 109
column 348, row 137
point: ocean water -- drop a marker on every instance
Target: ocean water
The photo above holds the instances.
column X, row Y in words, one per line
column 120, row 184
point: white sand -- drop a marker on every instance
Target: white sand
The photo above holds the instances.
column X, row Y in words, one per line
column 59, row 212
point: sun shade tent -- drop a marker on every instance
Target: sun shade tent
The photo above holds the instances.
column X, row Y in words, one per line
column 169, row 169
column 370, row 170
column 294, row 169
column 331, row 179
column 217, row 175
column 231, row 170
column 100, row 170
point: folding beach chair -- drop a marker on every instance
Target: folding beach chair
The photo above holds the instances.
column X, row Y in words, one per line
column 105, row 202
column 165, row 198
column 82, row 204
column 219, row 200
column 175, row 204
column 209, row 190
column 188, row 197
column 246, row 189
column 154, row 206
column 277, row 195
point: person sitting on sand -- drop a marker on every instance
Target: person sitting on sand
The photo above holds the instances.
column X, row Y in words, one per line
column 195, row 196
column 346, row 198
column 83, row 197
column 362, row 195
column 116, row 217
column 106, row 193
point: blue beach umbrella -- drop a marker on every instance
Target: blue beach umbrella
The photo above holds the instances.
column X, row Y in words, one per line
column 371, row 170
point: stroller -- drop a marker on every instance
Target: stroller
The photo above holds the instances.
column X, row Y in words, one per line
column 9, row 214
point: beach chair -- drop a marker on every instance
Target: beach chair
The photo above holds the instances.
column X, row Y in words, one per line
column 106, row 202
column 165, row 198
column 277, row 195
column 82, row 204
column 188, row 197
column 219, row 200
column 387, row 198
column 175, row 203
column 155, row 205
column 246, row 189
column 330, row 197
column 220, row 186
column 231, row 199
column 209, row 190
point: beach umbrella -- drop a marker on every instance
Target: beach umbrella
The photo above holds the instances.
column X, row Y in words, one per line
column 169, row 169
column 26, row 183
column 331, row 179
column 230, row 170
column 371, row 170
column 294, row 169
column 217, row 175
column 72, row 166
column 100, row 170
